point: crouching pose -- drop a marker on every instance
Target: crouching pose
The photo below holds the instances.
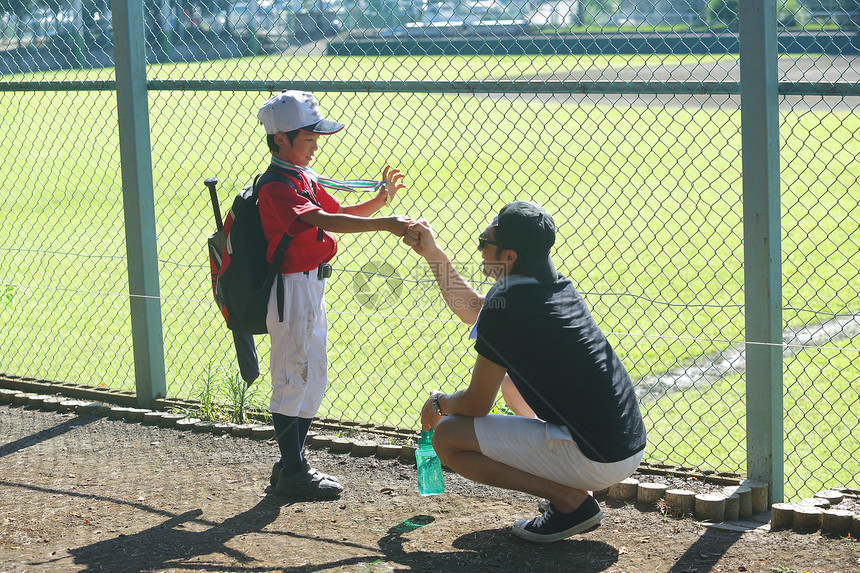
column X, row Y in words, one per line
column 578, row 426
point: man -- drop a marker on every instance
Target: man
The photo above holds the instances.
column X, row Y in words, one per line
column 578, row 426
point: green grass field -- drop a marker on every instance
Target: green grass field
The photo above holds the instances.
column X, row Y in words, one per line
column 706, row 427
column 648, row 201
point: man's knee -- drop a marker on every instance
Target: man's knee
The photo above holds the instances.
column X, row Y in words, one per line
column 454, row 434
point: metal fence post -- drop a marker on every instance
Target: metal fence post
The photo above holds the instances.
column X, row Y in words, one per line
column 762, row 244
column 138, row 201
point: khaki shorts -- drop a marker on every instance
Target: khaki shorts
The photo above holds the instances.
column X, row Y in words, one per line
column 548, row 451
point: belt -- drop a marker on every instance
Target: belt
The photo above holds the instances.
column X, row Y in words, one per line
column 323, row 271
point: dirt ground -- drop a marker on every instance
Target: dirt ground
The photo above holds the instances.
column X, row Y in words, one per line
column 88, row 493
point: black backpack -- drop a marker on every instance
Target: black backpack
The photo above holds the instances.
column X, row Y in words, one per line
column 241, row 277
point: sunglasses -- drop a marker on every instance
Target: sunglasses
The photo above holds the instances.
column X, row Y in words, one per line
column 483, row 241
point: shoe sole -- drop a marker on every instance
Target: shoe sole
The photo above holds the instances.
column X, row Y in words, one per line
column 273, row 479
column 311, row 495
column 315, row 497
column 520, row 531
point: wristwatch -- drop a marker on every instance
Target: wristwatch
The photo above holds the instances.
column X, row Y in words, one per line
column 436, row 407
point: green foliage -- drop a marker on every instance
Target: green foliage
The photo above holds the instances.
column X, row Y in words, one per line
column 501, row 408
column 224, row 396
column 789, row 13
column 207, row 387
column 239, row 396
column 590, row 11
column 792, row 13
column 724, row 12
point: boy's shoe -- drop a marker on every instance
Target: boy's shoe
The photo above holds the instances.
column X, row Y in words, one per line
column 553, row 525
column 307, row 467
column 276, row 472
column 308, row 484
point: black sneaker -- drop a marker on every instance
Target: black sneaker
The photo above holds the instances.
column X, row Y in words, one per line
column 553, row 525
column 308, row 484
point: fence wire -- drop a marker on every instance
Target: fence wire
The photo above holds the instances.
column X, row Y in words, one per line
column 622, row 119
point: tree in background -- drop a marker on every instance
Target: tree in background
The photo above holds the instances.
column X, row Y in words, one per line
column 723, row 12
column 792, row 14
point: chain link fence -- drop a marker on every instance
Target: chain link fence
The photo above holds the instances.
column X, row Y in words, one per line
column 621, row 118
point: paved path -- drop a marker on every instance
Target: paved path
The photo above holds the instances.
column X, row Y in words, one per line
column 707, row 370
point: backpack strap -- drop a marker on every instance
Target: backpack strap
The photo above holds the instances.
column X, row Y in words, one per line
column 279, row 174
column 275, row 271
column 283, row 244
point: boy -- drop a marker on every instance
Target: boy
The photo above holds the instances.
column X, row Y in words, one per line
column 304, row 210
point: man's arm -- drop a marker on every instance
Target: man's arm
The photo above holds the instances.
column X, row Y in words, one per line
column 475, row 401
column 461, row 298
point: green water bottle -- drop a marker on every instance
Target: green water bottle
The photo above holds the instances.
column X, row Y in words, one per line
column 430, row 479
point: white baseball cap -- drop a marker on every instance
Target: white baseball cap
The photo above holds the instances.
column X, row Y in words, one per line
column 291, row 110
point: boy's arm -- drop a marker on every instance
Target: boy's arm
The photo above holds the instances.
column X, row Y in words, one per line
column 461, row 298
column 391, row 179
column 344, row 223
column 367, row 208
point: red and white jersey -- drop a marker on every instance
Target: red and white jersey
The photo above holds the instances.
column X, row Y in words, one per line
column 281, row 207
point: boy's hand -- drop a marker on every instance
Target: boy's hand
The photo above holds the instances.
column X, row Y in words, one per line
column 391, row 179
column 397, row 224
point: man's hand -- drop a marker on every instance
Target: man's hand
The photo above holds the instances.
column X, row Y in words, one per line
column 420, row 237
column 413, row 234
column 391, row 179
column 429, row 418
